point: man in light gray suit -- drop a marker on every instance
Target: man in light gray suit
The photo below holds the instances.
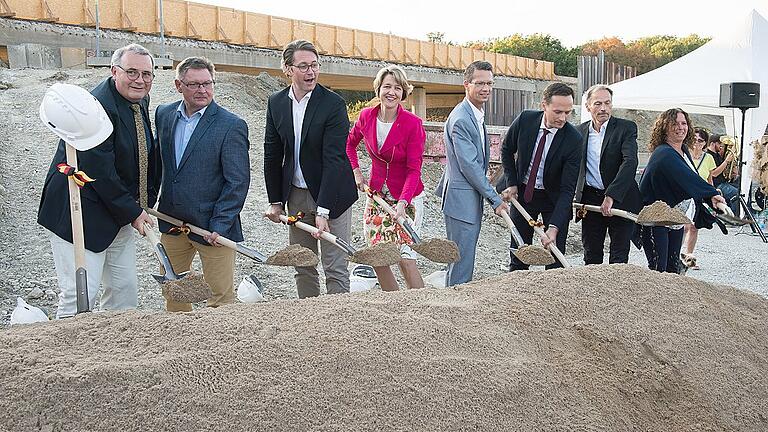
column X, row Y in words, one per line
column 464, row 184
column 206, row 173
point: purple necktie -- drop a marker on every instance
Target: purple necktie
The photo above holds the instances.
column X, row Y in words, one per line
column 531, row 185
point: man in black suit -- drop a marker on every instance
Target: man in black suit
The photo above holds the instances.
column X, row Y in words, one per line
column 607, row 178
column 111, row 203
column 540, row 155
column 306, row 166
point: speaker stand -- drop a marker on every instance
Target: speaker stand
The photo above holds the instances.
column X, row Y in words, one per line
column 752, row 222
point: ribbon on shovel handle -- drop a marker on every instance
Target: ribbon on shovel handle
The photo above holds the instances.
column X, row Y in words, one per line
column 80, row 177
column 295, row 218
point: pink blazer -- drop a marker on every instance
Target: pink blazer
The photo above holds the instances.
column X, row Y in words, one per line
column 398, row 163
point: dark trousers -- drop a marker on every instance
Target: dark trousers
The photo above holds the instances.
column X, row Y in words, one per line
column 539, row 205
column 594, row 227
column 662, row 248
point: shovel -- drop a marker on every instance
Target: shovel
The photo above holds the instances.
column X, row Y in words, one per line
column 293, row 256
column 58, row 99
column 552, row 246
column 436, row 250
column 178, row 287
column 380, row 255
column 645, row 218
column 724, row 213
column 527, row 254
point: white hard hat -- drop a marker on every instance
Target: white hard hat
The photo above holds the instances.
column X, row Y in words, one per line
column 75, row 116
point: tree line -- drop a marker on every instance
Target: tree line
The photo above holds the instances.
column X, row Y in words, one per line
column 645, row 54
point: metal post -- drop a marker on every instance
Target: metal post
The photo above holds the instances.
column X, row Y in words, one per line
column 162, row 27
column 98, row 47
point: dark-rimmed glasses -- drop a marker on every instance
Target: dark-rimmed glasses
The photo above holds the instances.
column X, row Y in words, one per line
column 304, row 67
column 196, row 86
column 132, row 74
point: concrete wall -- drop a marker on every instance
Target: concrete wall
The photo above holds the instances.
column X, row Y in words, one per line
column 34, row 56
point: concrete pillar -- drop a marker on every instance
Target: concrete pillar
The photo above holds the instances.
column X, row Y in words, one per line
column 419, row 102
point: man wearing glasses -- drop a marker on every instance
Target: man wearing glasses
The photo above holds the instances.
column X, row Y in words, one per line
column 125, row 169
column 541, row 154
column 607, row 178
column 464, row 185
column 206, row 173
column 306, row 168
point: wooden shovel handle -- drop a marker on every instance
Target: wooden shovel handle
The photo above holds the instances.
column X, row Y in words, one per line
column 78, row 236
column 197, row 230
column 325, row 235
column 725, row 209
column 552, row 246
column 512, row 229
column 616, row 212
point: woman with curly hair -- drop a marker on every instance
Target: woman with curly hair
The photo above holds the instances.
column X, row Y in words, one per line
column 671, row 177
column 394, row 138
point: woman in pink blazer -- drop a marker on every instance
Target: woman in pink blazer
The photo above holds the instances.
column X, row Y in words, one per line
column 394, row 138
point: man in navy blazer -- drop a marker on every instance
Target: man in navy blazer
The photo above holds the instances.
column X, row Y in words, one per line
column 607, row 178
column 206, row 174
column 545, row 136
column 110, row 204
column 306, row 168
column 464, row 186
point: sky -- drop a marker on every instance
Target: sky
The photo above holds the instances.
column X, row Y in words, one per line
column 573, row 22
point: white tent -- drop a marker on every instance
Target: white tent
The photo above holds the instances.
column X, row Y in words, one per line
column 738, row 54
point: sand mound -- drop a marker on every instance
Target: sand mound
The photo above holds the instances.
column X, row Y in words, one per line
column 562, row 350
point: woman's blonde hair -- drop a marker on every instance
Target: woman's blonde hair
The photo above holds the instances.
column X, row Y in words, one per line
column 398, row 74
column 663, row 123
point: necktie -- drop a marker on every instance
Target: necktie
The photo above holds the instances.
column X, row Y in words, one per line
column 142, row 138
column 531, row 185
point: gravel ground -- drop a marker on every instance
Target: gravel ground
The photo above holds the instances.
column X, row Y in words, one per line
column 26, row 263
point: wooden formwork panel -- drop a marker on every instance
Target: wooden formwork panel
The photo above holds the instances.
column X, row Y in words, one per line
column 396, row 49
column 530, row 67
column 441, row 55
column 175, row 17
column 549, row 70
column 467, row 57
column 231, row 23
column 303, row 30
column 345, row 42
column 505, row 60
column 141, row 15
column 26, row 9
column 478, row 55
column 281, row 31
column 426, row 53
column 202, row 19
column 454, row 57
column 66, row 12
column 4, row 53
column 380, row 46
column 325, row 38
column 109, row 14
column 257, row 30
column 412, row 51
column 363, row 47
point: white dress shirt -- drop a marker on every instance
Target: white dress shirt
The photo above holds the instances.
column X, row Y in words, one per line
column 547, row 144
column 594, row 151
column 480, row 119
column 299, row 108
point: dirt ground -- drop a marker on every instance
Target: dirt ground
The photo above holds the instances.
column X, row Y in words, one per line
column 563, row 350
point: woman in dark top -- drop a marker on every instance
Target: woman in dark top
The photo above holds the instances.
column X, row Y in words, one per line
column 671, row 177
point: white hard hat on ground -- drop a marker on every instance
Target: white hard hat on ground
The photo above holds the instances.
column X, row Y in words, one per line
column 75, row 116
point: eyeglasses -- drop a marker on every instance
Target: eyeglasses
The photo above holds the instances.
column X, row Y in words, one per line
column 482, row 84
column 132, row 74
column 196, row 86
column 304, row 67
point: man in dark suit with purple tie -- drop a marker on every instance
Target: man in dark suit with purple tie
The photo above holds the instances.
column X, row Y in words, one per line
column 541, row 154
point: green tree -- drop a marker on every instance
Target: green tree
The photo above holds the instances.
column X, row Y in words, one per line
column 536, row 46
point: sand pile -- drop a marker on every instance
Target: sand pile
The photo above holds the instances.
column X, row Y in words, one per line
column 562, row 350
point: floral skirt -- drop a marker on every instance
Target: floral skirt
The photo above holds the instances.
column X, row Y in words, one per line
column 379, row 226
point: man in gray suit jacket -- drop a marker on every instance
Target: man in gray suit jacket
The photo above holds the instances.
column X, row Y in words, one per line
column 464, row 184
column 206, row 173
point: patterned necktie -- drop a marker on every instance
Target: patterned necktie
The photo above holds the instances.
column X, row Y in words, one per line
column 142, row 136
column 531, row 185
